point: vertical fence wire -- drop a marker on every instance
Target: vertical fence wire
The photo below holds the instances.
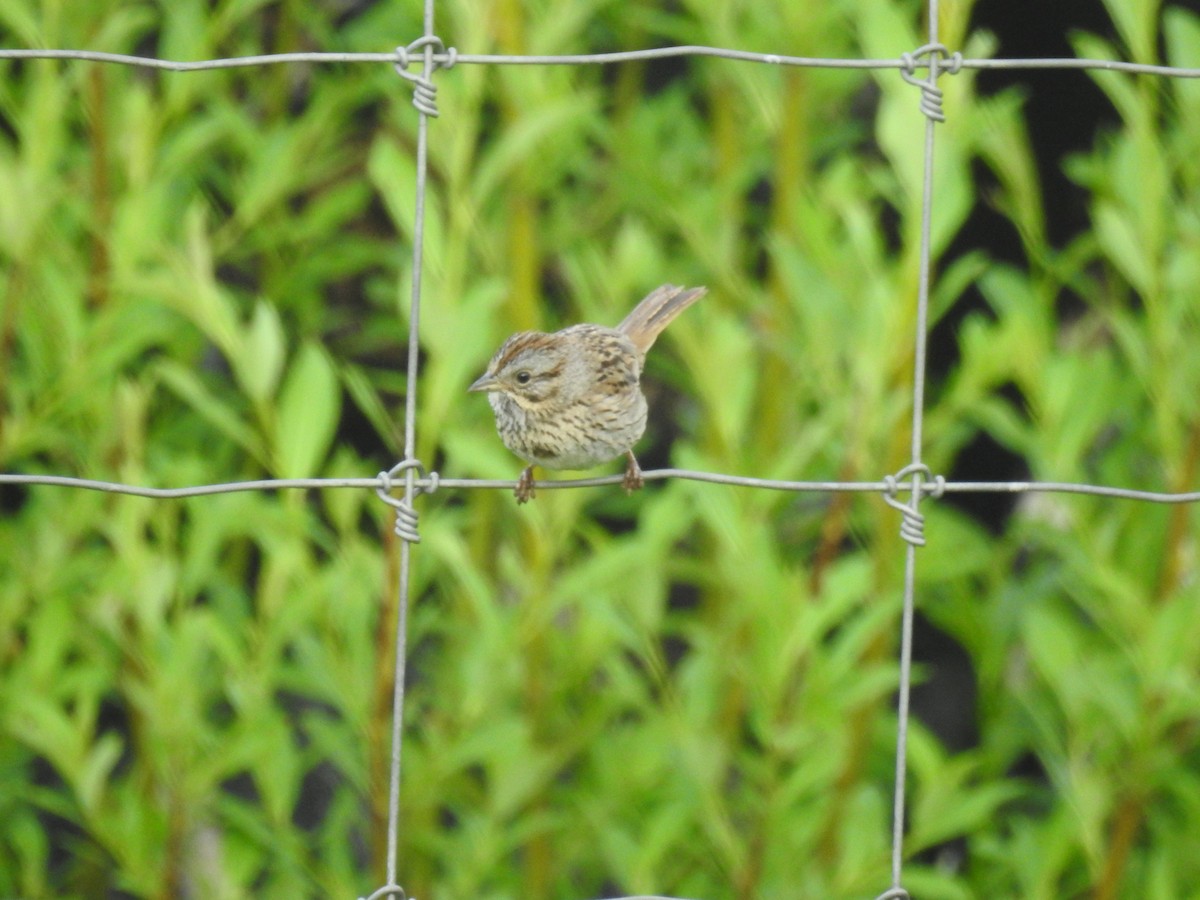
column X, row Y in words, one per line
column 410, row 474
column 918, row 416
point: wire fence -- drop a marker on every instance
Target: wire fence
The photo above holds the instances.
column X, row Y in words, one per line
column 903, row 490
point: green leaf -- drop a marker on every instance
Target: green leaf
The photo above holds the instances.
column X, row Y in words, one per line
column 260, row 360
column 1137, row 23
column 366, row 397
column 1181, row 29
column 101, row 758
column 309, row 406
column 188, row 386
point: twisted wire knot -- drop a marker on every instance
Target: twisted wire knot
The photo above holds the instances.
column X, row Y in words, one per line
column 931, row 94
column 424, row 90
column 912, row 527
column 407, row 520
column 388, row 890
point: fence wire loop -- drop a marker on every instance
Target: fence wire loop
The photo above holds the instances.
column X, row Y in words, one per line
column 388, row 890
column 931, row 94
column 424, row 90
column 406, row 515
column 912, row 526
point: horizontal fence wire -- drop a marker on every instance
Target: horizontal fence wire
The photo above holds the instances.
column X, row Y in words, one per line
column 432, row 483
column 915, row 480
column 492, row 59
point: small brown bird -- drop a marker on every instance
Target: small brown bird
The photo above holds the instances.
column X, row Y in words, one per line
column 573, row 399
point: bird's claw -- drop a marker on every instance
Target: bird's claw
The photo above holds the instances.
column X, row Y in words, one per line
column 633, row 480
column 524, row 491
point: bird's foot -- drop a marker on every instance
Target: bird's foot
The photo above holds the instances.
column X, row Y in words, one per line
column 524, row 492
column 633, row 474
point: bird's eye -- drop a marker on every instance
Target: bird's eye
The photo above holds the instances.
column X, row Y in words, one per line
column 523, row 377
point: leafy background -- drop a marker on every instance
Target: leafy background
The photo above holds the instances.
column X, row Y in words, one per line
column 203, row 278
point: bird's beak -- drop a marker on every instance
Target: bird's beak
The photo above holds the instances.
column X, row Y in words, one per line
column 485, row 382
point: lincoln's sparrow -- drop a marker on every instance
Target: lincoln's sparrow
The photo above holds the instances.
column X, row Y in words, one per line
column 571, row 399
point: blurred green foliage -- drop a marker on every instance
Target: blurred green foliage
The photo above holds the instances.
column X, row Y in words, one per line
column 204, row 277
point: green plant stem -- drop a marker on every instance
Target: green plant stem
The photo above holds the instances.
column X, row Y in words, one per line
column 102, row 201
column 1126, row 824
column 791, row 173
column 17, row 277
column 537, row 867
column 378, row 734
column 833, row 530
column 176, row 863
column 728, row 152
column 524, row 243
column 1178, row 543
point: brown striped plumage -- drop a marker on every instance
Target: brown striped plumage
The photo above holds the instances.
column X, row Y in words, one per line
column 572, row 399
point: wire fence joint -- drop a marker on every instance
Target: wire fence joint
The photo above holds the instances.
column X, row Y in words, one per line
column 406, row 513
column 931, row 95
column 424, row 90
column 912, row 528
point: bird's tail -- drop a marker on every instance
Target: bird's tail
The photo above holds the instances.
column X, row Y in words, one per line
column 656, row 311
